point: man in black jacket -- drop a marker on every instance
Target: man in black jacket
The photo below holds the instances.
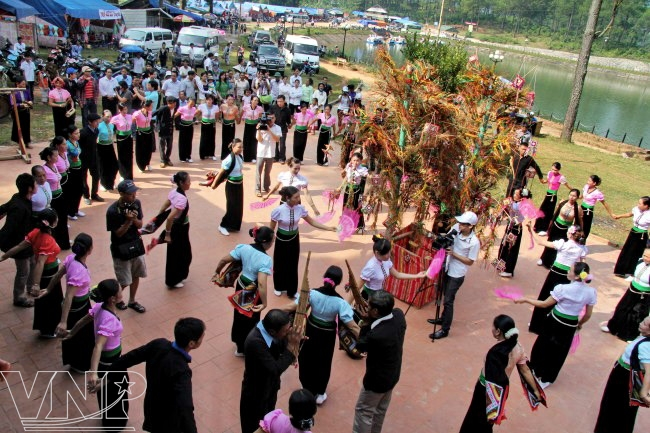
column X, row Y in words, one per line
column 88, row 144
column 382, row 339
column 18, row 212
column 165, row 119
column 269, row 350
column 283, row 117
column 520, row 162
column 168, row 403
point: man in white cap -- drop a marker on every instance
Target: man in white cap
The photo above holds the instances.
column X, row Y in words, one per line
column 88, row 92
column 461, row 255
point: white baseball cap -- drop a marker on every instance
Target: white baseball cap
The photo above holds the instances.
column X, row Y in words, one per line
column 467, row 218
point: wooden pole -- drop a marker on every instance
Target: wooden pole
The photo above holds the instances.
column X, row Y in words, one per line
column 22, row 149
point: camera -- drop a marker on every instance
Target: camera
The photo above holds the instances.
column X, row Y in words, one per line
column 264, row 122
column 128, row 207
column 442, row 242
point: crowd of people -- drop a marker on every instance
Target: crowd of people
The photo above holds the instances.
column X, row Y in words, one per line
column 79, row 163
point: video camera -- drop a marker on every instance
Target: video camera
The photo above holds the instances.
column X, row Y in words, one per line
column 443, row 242
column 264, row 122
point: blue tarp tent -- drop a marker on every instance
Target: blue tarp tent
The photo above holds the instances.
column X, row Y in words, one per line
column 18, row 8
column 53, row 11
column 173, row 10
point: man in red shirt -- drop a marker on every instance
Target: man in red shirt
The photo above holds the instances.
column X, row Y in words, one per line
column 88, row 91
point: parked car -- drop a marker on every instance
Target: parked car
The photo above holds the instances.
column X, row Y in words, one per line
column 268, row 57
column 257, row 36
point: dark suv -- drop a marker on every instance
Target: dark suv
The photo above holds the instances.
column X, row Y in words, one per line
column 268, row 57
column 258, row 36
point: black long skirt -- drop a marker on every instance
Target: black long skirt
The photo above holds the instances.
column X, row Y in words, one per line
column 551, row 348
column 323, row 141
column 107, row 163
column 287, row 254
column 117, row 415
column 179, row 255
column 630, row 311
column 25, row 126
column 242, row 325
column 144, row 141
column 299, row 144
column 556, row 232
column 508, row 252
column 554, row 277
column 631, row 253
column 250, row 142
column 60, row 232
column 548, row 208
column 47, row 310
column 185, row 136
column 234, row 206
column 587, row 221
column 207, row 144
column 125, row 156
column 61, row 122
column 616, row 415
column 74, row 190
column 227, row 136
column 476, row 417
column 315, row 359
column 77, row 351
column 354, row 204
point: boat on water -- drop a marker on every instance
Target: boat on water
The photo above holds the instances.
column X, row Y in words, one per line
column 374, row 40
column 397, row 40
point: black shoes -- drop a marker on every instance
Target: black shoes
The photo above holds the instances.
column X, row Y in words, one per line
column 439, row 334
column 435, row 321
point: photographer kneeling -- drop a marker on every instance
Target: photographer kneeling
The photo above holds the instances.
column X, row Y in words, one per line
column 268, row 133
column 461, row 254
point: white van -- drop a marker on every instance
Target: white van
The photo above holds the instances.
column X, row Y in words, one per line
column 298, row 18
column 297, row 49
column 147, row 38
column 205, row 40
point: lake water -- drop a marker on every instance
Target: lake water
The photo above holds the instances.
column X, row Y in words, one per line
column 609, row 102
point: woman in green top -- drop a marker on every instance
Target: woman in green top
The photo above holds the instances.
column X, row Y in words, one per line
column 222, row 86
column 75, row 189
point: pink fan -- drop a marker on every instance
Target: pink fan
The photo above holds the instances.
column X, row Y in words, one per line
column 528, row 209
column 509, row 292
column 347, row 224
column 262, row 204
column 436, row 264
column 333, row 196
column 575, row 343
column 323, row 219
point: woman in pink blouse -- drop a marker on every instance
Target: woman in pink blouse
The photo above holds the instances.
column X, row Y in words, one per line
column 123, row 121
column 301, row 120
column 50, row 156
column 554, row 179
column 186, row 130
column 60, row 100
column 590, row 196
column 107, row 329
column 302, row 408
column 144, row 137
column 251, row 115
column 327, row 130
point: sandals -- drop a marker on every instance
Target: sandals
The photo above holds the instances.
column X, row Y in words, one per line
column 121, row 306
column 137, row 307
column 258, row 193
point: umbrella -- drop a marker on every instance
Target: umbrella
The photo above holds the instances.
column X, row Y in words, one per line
column 183, row 19
column 132, row 49
column 210, row 17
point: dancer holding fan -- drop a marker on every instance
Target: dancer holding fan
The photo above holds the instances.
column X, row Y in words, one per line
column 567, row 213
column 353, row 184
column 292, row 177
column 251, row 115
column 301, row 120
column 511, row 242
column 637, row 239
column 554, row 179
column 287, row 250
column 590, row 196
column 231, row 171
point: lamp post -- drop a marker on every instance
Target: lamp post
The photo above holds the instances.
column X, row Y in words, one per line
column 496, row 57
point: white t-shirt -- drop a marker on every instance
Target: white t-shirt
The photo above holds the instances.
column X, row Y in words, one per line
column 28, row 69
column 571, row 298
column 569, row 252
column 284, row 90
column 373, row 275
column 138, row 65
column 266, row 147
column 294, row 95
column 42, row 197
column 641, row 218
column 282, row 215
column 463, row 246
column 287, row 178
column 293, row 78
column 171, row 88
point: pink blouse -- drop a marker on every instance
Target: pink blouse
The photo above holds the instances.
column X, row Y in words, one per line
column 59, row 95
column 62, row 164
column 277, row 422
column 178, row 200
column 248, row 113
column 52, row 177
column 142, row 121
column 121, row 122
column 303, row 119
column 107, row 324
column 591, row 198
column 187, row 113
column 77, row 275
column 555, row 180
column 327, row 122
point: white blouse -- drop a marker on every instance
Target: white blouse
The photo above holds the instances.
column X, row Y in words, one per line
column 641, row 218
column 42, row 197
column 288, row 217
column 375, row 272
column 572, row 297
column 287, row 178
column 569, row 252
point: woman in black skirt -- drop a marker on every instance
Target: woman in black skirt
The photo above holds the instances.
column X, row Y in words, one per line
column 74, row 190
column 568, row 213
column 186, row 115
column 229, row 114
column 252, row 282
column 251, row 115
column 108, row 348
column 590, row 196
column 301, row 121
column 287, row 248
column 637, row 239
column 634, row 306
column 568, row 253
column 231, row 170
column 61, row 101
column 106, row 159
column 326, row 131
column 144, row 136
column 616, row 415
column 177, row 232
column 499, row 363
column 47, row 306
column 511, row 242
column 123, row 123
column 328, row 310
column 24, row 104
column 554, row 180
column 554, row 342
column 208, row 114
column 50, row 156
column 76, row 352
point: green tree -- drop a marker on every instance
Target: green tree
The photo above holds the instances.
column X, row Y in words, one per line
column 450, row 61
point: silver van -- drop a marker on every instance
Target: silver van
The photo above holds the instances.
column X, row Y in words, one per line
column 205, row 40
column 147, row 38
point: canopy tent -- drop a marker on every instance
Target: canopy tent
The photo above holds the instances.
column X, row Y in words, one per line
column 358, row 13
column 173, row 10
column 54, row 11
column 18, row 8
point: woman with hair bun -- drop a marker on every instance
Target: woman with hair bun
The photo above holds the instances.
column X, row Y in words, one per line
column 500, row 360
column 354, row 181
column 232, row 172
column 302, row 408
column 377, row 269
column 554, row 341
column 287, row 250
column 590, row 196
column 256, row 267
column 637, row 239
column 56, row 169
column 76, row 352
column 106, row 158
column 75, row 182
column 177, row 232
column 208, row 112
column 144, row 136
column 186, row 115
column 568, row 213
column 327, row 309
column 123, row 124
column 554, row 180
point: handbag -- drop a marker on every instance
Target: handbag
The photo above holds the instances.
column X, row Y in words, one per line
column 229, row 275
column 131, row 250
column 266, row 99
